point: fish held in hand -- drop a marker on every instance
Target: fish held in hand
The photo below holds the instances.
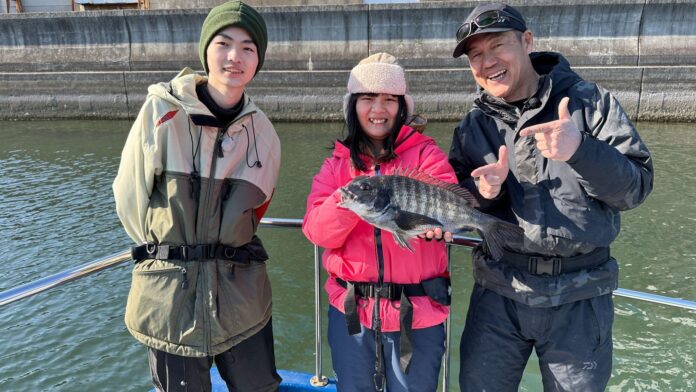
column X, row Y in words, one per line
column 408, row 203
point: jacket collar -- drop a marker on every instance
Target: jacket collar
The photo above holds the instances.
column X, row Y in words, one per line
column 407, row 139
column 182, row 92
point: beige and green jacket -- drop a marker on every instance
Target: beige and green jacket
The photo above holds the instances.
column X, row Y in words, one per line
column 195, row 308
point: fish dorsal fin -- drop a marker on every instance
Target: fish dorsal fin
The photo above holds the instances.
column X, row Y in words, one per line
column 428, row 179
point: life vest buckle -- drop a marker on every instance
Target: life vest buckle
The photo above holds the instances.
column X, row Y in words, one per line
column 379, row 381
column 229, row 252
column 151, row 249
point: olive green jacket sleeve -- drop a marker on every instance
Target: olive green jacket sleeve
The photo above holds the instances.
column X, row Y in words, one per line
column 140, row 163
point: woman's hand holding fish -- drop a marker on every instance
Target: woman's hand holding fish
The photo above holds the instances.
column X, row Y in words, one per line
column 492, row 176
column 436, row 234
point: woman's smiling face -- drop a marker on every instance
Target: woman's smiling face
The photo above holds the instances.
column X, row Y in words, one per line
column 377, row 115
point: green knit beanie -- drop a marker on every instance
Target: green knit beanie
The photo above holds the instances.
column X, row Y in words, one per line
column 233, row 13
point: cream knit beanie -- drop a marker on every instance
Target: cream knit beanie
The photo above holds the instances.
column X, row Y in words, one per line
column 378, row 74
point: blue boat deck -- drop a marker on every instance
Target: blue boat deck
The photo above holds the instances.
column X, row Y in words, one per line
column 292, row 381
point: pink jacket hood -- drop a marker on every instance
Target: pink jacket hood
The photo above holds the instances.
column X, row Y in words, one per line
column 407, row 139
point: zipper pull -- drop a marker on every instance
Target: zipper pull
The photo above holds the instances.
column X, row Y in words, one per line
column 184, row 283
column 218, row 147
column 195, row 181
column 231, row 268
column 226, row 189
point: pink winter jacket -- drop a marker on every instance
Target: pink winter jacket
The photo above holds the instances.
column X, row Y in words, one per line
column 349, row 242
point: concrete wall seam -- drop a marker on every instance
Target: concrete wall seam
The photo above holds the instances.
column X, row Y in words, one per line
column 643, row 51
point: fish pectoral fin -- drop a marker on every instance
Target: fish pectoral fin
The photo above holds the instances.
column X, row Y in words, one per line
column 407, row 221
column 402, row 240
column 463, row 229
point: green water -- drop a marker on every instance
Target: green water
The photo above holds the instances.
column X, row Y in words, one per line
column 57, row 212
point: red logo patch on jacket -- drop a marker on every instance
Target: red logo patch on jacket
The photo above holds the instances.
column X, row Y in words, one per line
column 168, row 116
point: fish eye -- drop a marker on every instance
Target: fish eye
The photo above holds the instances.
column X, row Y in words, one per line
column 364, row 187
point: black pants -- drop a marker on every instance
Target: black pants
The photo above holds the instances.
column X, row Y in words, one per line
column 573, row 343
column 248, row 366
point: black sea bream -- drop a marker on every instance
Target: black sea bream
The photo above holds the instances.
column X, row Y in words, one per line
column 411, row 203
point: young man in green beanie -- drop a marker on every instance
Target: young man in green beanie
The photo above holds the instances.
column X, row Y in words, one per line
column 197, row 173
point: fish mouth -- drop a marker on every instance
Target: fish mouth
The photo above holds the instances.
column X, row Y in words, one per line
column 345, row 193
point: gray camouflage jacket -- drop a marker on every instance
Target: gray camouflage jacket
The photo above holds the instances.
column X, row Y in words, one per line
column 566, row 208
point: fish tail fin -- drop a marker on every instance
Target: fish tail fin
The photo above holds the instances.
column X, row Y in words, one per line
column 500, row 233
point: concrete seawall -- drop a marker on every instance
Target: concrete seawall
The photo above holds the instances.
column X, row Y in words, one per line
column 99, row 64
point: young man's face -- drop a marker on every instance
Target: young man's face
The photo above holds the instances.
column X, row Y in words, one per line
column 232, row 59
column 500, row 64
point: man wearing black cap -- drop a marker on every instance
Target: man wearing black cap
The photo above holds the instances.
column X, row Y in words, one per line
column 558, row 156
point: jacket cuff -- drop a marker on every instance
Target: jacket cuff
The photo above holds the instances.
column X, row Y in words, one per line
column 582, row 151
column 484, row 204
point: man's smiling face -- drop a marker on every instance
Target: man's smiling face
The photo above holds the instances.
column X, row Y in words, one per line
column 500, row 64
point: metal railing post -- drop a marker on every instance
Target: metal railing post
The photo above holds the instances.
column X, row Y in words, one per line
column 318, row 380
column 448, row 334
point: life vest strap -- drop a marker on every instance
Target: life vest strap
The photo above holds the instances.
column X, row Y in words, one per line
column 194, row 253
column 438, row 289
column 554, row 266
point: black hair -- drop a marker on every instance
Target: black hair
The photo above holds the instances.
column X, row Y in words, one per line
column 358, row 142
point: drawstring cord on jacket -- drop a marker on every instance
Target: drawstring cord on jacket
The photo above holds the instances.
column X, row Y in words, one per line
column 194, row 176
column 253, row 131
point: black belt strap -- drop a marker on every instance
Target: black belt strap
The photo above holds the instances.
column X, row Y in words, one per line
column 545, row 265
column 406, row 327
column 390, row 291
column 437, row 288
column 351, row 309
column 191, row 252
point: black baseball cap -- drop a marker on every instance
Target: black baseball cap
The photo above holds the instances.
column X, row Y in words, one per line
column 488, row 18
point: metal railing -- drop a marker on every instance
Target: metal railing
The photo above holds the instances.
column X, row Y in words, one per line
column 43, row 284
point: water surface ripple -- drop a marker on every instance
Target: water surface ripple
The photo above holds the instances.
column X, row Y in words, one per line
column 58, row 212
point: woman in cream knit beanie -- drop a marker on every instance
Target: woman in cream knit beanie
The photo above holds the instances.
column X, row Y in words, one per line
column 393, row 340
column 374, row 76
column 378, row 74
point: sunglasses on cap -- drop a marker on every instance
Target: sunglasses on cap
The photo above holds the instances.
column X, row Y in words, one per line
column 483, row 20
